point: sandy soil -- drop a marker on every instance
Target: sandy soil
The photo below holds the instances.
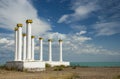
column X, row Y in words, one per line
column 66, row 73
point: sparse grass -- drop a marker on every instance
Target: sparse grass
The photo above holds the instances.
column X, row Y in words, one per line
column 74, row 67
column 12, row 69
column 58, row 68
column 58, row 76
column 118, row 77
column 80, row 66
column 2, row 67
column 64, row 73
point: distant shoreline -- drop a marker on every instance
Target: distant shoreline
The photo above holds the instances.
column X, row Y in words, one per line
column 92, row 64
column 95, row 64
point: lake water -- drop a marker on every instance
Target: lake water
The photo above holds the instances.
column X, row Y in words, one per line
column 96, row 64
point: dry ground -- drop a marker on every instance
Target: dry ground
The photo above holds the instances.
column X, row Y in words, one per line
column 66, row 73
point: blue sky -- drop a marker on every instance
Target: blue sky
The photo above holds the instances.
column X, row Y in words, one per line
column 90, row 28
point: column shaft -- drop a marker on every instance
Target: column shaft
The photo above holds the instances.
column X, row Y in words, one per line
column 28, row 41
column 24, row 47
column 41, row 49
column 32, row 49
column 50, row 50
column 16, row 46
column 19, row 43
column 60, row 43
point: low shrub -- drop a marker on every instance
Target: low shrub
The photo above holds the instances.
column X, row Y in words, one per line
column 47, row 65
column 2, row 67
column 58, row 68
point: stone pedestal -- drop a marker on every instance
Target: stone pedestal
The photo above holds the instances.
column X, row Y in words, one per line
column 26, row 65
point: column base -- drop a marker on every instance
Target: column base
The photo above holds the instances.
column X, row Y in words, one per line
column 26, row 65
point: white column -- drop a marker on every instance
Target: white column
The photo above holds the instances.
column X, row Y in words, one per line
column 60, row 44
column 28, row 39
column 24, row 46
column 41, row 49
column 50, row 49
column 16, row 46
column 19, row 42
column 32, row 47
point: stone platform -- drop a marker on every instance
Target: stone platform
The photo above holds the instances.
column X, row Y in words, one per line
column 57, row 63
column 26, row 65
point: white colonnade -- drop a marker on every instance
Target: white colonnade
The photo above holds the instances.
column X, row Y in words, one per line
column 28, row 45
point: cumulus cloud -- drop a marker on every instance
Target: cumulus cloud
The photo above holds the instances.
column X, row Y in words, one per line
column 17, row 11
column 54, row 35
column 109, row 17
column 63, row 18
column 6, row 44
column 74, row 43
column 80, row 12
column 80, row 45
column 78, row 27
column 81, row 32
column 107, row 28
column 106, row 11
column 109, row 10
column 4, row 40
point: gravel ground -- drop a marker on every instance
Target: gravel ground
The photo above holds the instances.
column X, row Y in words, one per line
column 66, row 73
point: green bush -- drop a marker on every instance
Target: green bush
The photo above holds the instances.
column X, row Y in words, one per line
column 2, row 67
column 63, row 66
column 58, row 68
column 47, row 65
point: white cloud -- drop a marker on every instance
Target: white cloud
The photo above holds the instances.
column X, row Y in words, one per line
column 78, row 27
column 75, row 43
column 107, row 28
column 81, row 32
column 81, row 47
column 63, row 18
column 17, row 11
column 80, row 12
column 6, row 44
column 4, row 40
column 54, row 35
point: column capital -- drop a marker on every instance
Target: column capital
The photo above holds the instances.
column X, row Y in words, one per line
column 24, row 34
column 40, row 38
column 19, row 25
column 29, row 21
column 50, row 40
column 60, row 40
column 32, row 36
column 16, row 29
